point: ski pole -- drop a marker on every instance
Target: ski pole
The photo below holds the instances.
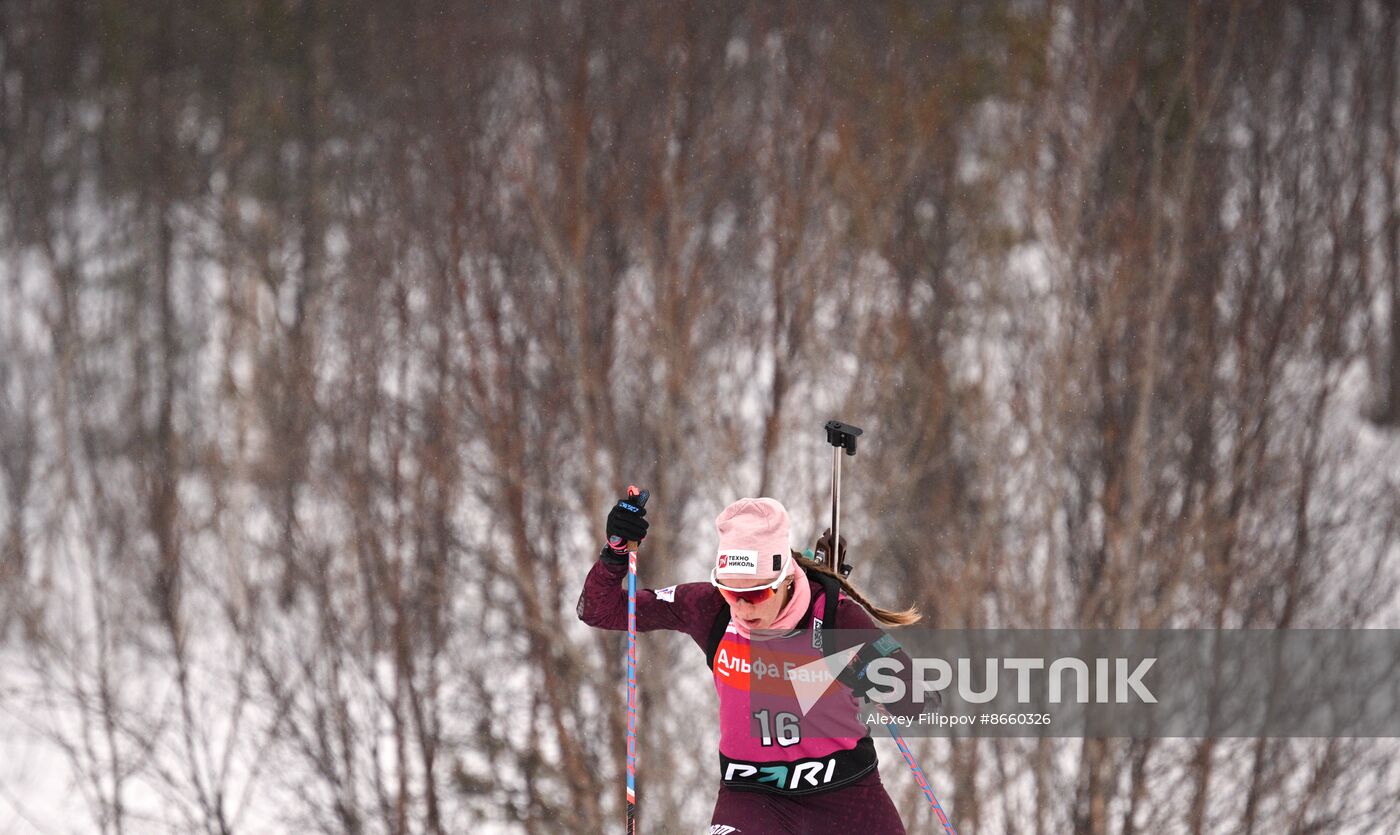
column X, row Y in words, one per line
column 920, row 778
column 840, row 436
column 640, row 499
column 843, row 436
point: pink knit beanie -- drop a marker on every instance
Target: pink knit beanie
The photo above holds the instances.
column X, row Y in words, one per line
column 753, row 540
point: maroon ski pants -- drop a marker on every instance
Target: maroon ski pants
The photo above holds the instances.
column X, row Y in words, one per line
column 861, row 807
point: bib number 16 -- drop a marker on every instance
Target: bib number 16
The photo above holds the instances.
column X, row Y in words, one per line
column 785, row 724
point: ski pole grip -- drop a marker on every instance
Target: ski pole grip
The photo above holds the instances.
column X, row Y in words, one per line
column 639, row 498
column 842, row 435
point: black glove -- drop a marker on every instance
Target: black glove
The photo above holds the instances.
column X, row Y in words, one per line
column 626, row 523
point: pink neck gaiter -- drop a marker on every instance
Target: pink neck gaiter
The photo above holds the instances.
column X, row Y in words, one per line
column 793, row 610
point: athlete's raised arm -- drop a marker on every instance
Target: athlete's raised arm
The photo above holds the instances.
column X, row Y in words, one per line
column 689, row 607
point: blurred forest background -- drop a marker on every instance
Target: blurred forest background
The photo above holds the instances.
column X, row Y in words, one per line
column 328, row 331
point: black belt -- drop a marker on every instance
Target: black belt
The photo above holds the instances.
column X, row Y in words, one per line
column 797, row 777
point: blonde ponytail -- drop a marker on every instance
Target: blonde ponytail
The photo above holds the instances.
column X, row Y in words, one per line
column 888, row 617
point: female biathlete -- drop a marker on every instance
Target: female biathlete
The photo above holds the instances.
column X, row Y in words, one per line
column 781, row 780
